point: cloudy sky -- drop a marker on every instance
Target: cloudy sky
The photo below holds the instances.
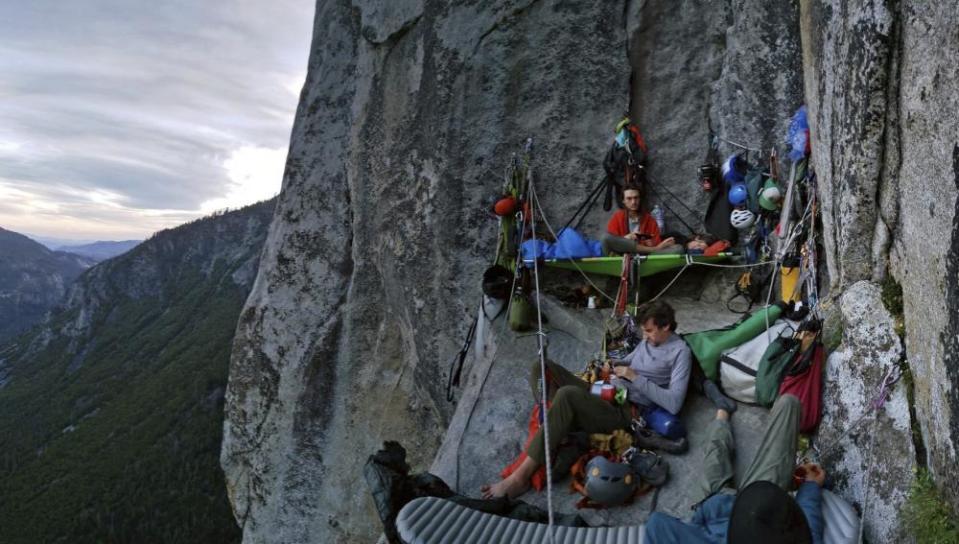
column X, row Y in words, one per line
column 122, row 117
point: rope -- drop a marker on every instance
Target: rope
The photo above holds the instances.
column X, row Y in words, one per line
column 541, row 340
column 469, row 418
column 691, row 262
column 739, row 145
column 538, row 206
column 653, row 181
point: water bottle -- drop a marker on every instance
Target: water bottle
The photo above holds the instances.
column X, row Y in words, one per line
column 657, row 214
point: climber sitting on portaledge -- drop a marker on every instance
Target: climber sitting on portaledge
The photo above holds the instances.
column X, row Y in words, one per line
column 633, row 229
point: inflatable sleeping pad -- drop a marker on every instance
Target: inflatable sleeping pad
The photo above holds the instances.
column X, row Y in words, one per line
column 432, row 520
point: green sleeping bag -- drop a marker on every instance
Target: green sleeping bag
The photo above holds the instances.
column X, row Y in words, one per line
column 707, row 346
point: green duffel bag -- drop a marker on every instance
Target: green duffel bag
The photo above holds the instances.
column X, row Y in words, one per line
column 772, row 367
column 707, row 346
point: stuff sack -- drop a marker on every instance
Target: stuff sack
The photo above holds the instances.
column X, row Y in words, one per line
column 520, row 316
column 664, row 423
column 739, row 366
column 804, row 380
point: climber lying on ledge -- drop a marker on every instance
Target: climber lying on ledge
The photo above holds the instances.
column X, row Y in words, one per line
column 762, row 510
column 656, row 374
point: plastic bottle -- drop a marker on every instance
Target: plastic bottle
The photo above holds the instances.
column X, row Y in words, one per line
column 657, row 213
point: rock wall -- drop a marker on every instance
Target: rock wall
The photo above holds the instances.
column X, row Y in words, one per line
column 879, row 79
column 412, row 109
column 735, row 66
column 409, row 114
column 408, row 117
column 868, row 453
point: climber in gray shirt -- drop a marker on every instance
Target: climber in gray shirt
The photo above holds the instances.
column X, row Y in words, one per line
column 657, row 371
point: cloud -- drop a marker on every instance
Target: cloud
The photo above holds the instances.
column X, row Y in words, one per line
column 253, row 173
column 124, row 117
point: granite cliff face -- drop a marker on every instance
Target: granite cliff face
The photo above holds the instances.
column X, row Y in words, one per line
column 410, row 111
column 879, row 80
column 370, row 273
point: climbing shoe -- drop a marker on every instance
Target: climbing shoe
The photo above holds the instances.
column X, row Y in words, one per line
column 649, row 466
column 647, row 439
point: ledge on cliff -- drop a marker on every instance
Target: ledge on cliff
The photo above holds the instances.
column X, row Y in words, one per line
column 489, row 427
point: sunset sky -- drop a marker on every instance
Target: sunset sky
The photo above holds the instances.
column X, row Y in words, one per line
column 119, row 118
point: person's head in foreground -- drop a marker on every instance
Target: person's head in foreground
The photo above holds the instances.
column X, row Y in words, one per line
column 657, row 320
column 763, row 512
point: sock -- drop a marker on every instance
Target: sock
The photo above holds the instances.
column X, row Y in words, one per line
column 714, row 394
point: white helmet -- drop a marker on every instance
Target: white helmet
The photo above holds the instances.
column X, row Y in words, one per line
column 742, row 219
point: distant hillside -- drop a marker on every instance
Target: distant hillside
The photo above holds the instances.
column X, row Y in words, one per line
column 112, row 413
column 56, row 243
column 33, row 279
column 101, row 251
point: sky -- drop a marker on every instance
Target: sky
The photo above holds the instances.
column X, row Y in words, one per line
column 122, row 117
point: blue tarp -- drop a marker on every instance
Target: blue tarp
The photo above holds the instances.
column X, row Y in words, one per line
column 535, row 249
column 569, row 245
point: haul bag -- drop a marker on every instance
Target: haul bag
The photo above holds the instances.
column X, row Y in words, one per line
column 806, row 384
column 739, row 366
column 707, row 346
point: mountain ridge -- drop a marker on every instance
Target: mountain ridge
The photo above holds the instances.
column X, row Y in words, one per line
column 113, row 407
column 33, row 280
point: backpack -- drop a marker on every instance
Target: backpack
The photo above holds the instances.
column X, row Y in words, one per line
column 716, row 221
column 625, row 163
column 804, row 380
column 739, row 366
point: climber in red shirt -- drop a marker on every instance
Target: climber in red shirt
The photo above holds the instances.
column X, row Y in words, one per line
column 633, row 230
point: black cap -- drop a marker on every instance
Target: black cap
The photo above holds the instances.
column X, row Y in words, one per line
column 763, row 512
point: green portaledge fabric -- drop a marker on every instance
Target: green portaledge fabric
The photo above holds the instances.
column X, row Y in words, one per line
column 613, row 266
column 707, row 346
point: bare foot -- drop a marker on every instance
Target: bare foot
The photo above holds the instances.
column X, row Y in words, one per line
column 510, row 487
